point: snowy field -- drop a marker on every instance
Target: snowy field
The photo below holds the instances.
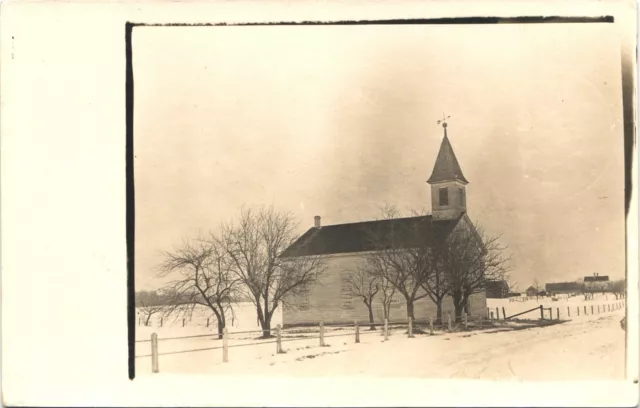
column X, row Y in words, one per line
column 584, row 347
column 244, row 318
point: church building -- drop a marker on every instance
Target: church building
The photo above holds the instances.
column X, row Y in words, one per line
column 345, row 246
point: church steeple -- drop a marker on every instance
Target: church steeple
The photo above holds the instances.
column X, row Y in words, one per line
column 448, row 184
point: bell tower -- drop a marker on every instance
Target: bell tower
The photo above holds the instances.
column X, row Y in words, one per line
column 448, row 185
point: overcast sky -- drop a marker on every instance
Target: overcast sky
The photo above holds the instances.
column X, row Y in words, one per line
column 336, row 121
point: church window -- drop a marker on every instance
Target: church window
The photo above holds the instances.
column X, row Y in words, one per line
column 444, row 196
column 461, row 196
column 346, row 293
column 304, row 299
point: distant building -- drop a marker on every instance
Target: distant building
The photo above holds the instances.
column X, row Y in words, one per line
column 497, row 289
column 564, row 287
column 596, row 278
column 531, row 291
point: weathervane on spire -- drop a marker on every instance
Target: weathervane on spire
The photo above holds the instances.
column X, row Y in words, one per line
column 444, row 120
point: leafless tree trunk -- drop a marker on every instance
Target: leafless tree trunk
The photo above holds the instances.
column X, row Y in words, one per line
column 202, row 276
column 436, row 285
column 387, row 292
column 471, row 258
column 536, row 285
column 365, row 285
column 255, row 245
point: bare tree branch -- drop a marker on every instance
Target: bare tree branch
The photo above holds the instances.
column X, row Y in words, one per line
column 203, row 276
column 401, row 255
column 254, row 245
column 471, row 258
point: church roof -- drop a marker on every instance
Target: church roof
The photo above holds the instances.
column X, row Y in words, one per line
column 446, row 167
column 358, row 237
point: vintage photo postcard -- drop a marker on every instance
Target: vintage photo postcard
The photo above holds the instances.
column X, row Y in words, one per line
column 319, row 203
column 400, row 199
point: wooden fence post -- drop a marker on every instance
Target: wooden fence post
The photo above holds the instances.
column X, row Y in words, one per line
column 183, row 322
column 207, row 322
column 598, row 309
column 386, row 329
column 161, row 321
column 279, row 339
column 321, row 334
column 491, row 317
column 154, row 353
column 585, row 309
column 225, row 345
column 541, row 313
column 139, row 321
column 578, row 310
column 568, row 312
column 449, row 320
column 357, row 332
column 558, row 313
column 431, row 326
column 504, row 315
column 497, row 314
column 488, row 314
column 464, row 319
column 410, row 327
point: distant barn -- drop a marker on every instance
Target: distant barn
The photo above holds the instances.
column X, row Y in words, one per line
column 531, row 291
column 497, row 289
column 596, row 278
column 564, row 287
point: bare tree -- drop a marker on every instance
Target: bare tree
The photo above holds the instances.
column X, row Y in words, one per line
column 471, row 258
column 589, row 290
column 537, row 286
column 514, row 287
column 618, row 288
column 202, row 276
column 255, row 244
column 149, row 304
column 365, row 284
column 401, row 255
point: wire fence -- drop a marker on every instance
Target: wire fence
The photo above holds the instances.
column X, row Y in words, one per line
column 321, row 331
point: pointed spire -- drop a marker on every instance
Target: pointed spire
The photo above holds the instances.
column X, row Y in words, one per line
column 446, row 167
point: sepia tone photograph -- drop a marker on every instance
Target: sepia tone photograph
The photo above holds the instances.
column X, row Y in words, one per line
column 399, row 200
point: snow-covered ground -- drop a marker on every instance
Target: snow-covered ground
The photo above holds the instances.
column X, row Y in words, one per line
column 586, row 347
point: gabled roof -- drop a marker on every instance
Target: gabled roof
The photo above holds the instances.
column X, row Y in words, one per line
column 446, row 167
column 357, row 237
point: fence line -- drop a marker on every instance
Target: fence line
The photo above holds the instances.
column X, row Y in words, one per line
column 460, row 321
